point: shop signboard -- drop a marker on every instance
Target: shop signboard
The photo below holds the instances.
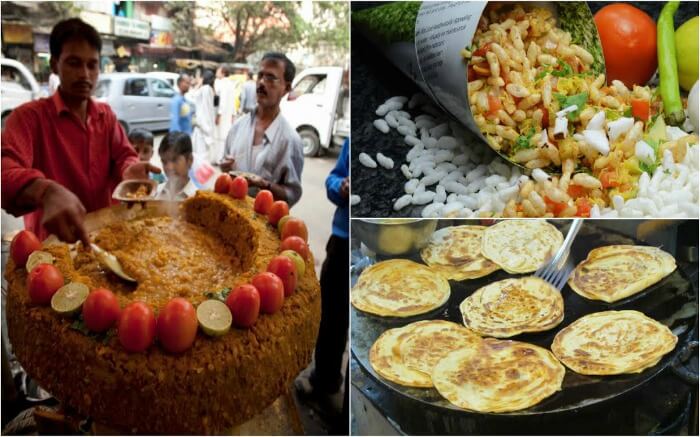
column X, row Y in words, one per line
column 130, row 28
column 14, row 33
column 101, row 22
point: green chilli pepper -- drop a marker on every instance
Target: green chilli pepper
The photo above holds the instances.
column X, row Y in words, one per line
column 668, row 67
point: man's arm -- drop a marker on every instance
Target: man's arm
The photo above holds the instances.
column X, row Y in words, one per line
column 295, row 166
column 175, row 115
column 334, row 181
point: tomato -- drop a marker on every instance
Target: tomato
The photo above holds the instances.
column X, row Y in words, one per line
column 583, row 207
column 494, row 106
column 286, row 270
column 244, row 303
column 296, row 244
column 263, row 201
column 640, row 109
column 557, row 207
column 177, row 325
column 239, row 188
column 482, row 50
column 271, row 291
column 278, row 210
column 628, row 37
column 137, row 327
column 223, row 184
column 43, row 281
column 576, row 190
column 471, row 74
column 24, row 243
column 294, row 226
column 608, row 178
column 482, row 69
column 101, row 310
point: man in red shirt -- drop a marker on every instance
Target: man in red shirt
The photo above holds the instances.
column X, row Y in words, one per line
column 62, row 155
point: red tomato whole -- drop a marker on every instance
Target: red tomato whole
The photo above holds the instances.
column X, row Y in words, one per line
column 101, row 310
column 24, row 243
column 137, row 327
column 628, row 38
column 296, row 244
column 223, row 184
column 177, row 325
column 244, row 303
column 239, row 187
column 271, row 291
column 263, row 202
column 286, row 270
column 43, row 281
column 295, row 226
column 278, row 210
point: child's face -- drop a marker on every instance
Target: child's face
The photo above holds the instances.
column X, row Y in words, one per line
column 175, row 165
column 144, row 149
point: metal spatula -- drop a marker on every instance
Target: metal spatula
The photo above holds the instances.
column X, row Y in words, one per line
column 110, row 261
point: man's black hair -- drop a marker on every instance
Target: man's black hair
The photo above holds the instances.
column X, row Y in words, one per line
column 140, row 134
column 289, row 68
column 225, row 70
column 180, row 78
column 179, row 142
column 70, row 29
column 208, row 78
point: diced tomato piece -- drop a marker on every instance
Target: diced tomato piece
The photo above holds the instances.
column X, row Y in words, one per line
column 519, row 207
column 482, row 50
column 494, row 105
column 557, row 207
column 545, row 116
column 482, row 69
column 608, row 178
column 583, row 207
column 471, row 74
column 640, row 109
column 576, row 190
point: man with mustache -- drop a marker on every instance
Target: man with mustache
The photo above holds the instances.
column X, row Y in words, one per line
column 262, row 143
column 63, row 155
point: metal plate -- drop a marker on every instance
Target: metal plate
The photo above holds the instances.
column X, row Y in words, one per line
column 670, row 301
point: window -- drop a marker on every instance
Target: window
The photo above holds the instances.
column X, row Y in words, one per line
column 136, row 87
column 160, row 88
column 102, row 89
column 14, row 78
column 315, row 84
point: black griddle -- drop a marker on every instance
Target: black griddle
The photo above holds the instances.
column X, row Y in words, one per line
column 672, row 301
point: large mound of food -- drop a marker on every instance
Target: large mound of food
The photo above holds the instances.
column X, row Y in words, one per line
column 137, row 356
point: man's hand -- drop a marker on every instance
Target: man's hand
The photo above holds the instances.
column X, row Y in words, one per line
column 227, row 164
column 257, row 181
column 139, row 170
column 345, row 188
column 217, row 119
column 64, row 215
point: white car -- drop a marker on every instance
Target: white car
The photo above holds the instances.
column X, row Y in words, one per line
column 167, row 76
column 17, row 86
column 318, row 108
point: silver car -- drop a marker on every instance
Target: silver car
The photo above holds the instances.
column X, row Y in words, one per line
column 138, row 100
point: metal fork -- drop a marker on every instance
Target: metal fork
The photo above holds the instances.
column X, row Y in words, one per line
column 558, row 269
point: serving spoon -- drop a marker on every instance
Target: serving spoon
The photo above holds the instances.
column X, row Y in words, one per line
column 110, row 261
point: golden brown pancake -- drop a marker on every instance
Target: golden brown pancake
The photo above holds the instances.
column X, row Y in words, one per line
column 509, row 307
column 521, row 246
column 613, row 342
column 389, row 364
column 399, row 288
column 498, row 376
column 456, row 253
column 612, row 273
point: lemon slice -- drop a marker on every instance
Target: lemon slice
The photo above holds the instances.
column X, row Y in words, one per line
column 298, row 261
column 69, row 299
column 214, row 317
column 38, row 257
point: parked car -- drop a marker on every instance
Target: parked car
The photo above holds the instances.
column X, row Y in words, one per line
column 167, row 76
column 17, row 86
column 318, row 108
column 139, row 100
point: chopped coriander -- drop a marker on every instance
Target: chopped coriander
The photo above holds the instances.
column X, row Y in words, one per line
column 564, row 71
column 612, row 115
column 648, row 168
column 577, row 99
column 628, row 112
column 523, row 141
column 219, row 295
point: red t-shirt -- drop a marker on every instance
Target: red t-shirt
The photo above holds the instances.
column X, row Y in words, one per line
column 43, row 139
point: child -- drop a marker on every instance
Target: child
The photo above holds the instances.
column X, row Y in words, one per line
column 176, row 155
column 142, row 140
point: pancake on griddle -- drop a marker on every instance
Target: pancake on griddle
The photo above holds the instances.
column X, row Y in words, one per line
column 498, row 376
column 387, row 363
column 613, row 342
column 456, row 253
column 424, row 345
column 399, row 288
column 512, row 306
column 521, row 246
column 611, row 273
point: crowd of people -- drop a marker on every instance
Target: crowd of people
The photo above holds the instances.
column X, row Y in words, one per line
column 62, row 156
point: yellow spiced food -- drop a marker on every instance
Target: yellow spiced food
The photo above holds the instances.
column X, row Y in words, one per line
column 212, row 242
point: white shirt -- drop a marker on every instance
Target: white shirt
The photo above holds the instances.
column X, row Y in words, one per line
column 164, row 191
column 226, row 90
column 281, row 159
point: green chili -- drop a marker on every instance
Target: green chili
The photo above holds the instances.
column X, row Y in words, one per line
column 668, row 67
